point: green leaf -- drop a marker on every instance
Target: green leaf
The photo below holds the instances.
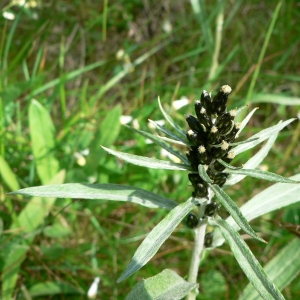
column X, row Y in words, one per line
column 8, row 175
column 254, row 161
column 262, row 135
column 246, row 120
column 57, row 231
column 282, row 269
column 203, row 174
column 169, row 133
column 42, row 133
column 166, row 285
column 275, row 98
column 275, row 197
column 53, row 288
column 13, row 259
column 28, row 220
column 248, row 262
column 106, row 135
column 157, row 237
column 234, row 211
column 261, row 175
column 161, row 143
column 152, row 163
column 114, row 192
column 170, row 120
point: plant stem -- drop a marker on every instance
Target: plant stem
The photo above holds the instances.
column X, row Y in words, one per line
column 196, row 257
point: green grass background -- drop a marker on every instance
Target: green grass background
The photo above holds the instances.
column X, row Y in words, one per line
column 69, row 70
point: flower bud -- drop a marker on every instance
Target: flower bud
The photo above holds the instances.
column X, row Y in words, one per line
column 228, row 157
column 219, row 102
column 208, row 239
column 212, row 209
column 203, row 157
column 200, row 190
column 220, row 179
column 213, row 137
column 191, row 220
column 206, row 101
column 193, row 123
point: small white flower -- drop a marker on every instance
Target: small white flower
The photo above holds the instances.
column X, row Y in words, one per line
column 8, row 15
column 125, row 119
column 183, row 101
column 167, row 26
column 92, row 293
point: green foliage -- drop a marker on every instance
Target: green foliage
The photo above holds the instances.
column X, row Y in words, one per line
column 62, row 92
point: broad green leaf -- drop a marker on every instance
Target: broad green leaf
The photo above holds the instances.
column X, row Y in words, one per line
column 254, row 161
column 152, row 163
column 261, row 175
column 8, row 175
column 282, row 269
column 28, row 220
column 53, row 288
column 157, row 237
column 275, row 197
column 203, row 174
column 114, row 192
column 106, row 135
column 170, row 120
column 169, row 133
column 248, row 262
column 275, row 98
column 166, row 285
column 161, row 143
column 13, row 259
column 262, row 135
column 57, row 231
column 234, row 211
column 246, row 120
column 42, row 134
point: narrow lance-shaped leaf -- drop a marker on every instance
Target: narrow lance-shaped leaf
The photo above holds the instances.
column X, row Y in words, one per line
column 275, row 197
column 157, row 237
column 282, row 269
column 234, row 211
column 254, row 161
column 261, row 175
column 170, row 120
column 246, row 120
column 161, row 143
column 169, row 133
column 152, row 163
column 114, row 192
column 248, row 262
column 262, row 135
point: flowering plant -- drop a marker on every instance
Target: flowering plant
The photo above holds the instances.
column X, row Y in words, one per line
column 211, row 143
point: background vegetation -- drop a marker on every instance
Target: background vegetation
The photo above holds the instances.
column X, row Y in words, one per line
column 86, row 63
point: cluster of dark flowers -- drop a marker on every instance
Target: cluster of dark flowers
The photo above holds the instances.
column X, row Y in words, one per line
column 210, row 135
